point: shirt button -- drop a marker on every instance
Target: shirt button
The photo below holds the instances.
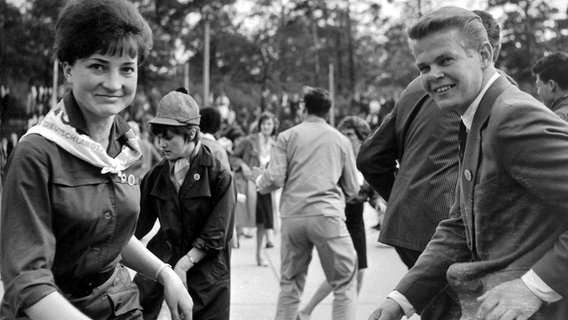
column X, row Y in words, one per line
column 108, row 215
column 467, row 175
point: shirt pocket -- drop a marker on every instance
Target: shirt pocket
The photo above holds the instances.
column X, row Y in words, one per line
column 79, row 192
column 82, row 208
column 122, row 293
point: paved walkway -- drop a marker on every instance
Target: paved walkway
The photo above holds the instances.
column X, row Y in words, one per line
column 255, row 289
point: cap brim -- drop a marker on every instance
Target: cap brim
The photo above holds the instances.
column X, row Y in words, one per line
column 167, row 122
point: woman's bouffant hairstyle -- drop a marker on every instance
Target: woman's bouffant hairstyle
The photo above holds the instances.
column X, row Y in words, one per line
column 265, row 116
column 359, row 125
column 113, row 27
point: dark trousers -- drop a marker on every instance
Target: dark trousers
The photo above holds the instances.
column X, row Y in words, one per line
column 445, row 305
column 151, row 296
column 211, row 300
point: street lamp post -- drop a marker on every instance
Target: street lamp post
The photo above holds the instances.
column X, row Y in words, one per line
column 207, row 12
column 54, row 83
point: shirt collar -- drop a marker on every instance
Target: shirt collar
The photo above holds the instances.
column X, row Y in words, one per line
column 467, row 117
column 74, row 113
column 558, row 102
column 76, row 120
column 208, row 136
column 314, row 118
column 191, row 157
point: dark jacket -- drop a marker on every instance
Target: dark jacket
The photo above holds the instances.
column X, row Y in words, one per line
column 424, row 141
column 201, row 216
column 510, row 212
column 560, row 107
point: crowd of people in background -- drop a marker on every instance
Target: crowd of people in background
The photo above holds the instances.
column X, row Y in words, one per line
column 461, row 123
column 16, row 116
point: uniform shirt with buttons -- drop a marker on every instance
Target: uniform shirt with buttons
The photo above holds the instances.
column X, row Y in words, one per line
column 66, row 219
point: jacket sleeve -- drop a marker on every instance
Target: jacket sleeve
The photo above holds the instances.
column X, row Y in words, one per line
column 27, row 245
column 218, row 229
column 236, row 157
column 428, row 276
column 275, row 175
column 349, row 182
column 534, row 152
column 378, row 155
column 148, row 213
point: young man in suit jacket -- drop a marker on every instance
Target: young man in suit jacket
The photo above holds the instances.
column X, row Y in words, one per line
column 505, row 244
column 423, row 140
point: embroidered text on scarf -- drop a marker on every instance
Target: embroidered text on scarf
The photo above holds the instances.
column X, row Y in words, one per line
column 55, row 127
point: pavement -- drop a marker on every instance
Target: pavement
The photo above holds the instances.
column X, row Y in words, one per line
column 254, row 289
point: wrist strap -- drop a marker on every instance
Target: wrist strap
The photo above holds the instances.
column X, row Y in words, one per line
column 160, row 269
column 191, row 259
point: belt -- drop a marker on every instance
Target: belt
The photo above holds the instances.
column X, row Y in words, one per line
column 83, row 285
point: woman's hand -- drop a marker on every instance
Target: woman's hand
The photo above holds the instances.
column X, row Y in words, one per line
column 181, row 268
column 177, row 297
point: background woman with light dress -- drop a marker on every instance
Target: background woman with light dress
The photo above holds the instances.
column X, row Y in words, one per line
column 356, row 129
column 71, row 195
column 254, row 151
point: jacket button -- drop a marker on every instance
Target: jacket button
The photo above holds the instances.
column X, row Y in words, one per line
column 467, row 175
column 108, row 215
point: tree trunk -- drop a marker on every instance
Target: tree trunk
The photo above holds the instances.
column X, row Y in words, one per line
column 350, row 50
column 316, row 51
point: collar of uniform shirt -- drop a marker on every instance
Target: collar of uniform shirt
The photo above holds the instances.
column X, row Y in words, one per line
column 558, row 101
column 208, row 136
column 469, row 113
column 189, row 159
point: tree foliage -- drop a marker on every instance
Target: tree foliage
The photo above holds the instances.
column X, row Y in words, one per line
column 277, row 45
column 530, row 29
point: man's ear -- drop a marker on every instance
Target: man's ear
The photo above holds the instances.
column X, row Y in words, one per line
column 552, row 84
column 486, row 54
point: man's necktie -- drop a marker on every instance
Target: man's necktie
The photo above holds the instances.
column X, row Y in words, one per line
column 462, row 137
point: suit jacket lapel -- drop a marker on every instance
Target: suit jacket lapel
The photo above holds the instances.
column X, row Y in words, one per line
column 470, row 166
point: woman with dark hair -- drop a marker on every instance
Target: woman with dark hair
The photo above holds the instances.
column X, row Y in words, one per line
column 71, row 196
column 254, row 151
column 192, row 193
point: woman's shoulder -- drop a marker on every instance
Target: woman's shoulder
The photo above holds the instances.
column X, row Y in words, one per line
column 35, row 145
column 157, row 168
column 248, row 142
column 34, row 151
column 253, row 138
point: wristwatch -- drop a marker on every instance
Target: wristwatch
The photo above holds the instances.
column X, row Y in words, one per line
column 191, row 259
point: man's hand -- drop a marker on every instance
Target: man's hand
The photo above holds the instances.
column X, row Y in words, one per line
column 509, row 300
column 246, row 170
column 389, row 310
column 176, row 295
column 256, row 172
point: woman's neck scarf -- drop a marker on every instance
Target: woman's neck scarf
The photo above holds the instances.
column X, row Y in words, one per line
column 56, row 128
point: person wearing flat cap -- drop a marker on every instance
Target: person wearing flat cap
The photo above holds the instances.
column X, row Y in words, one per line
column 193, row 196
